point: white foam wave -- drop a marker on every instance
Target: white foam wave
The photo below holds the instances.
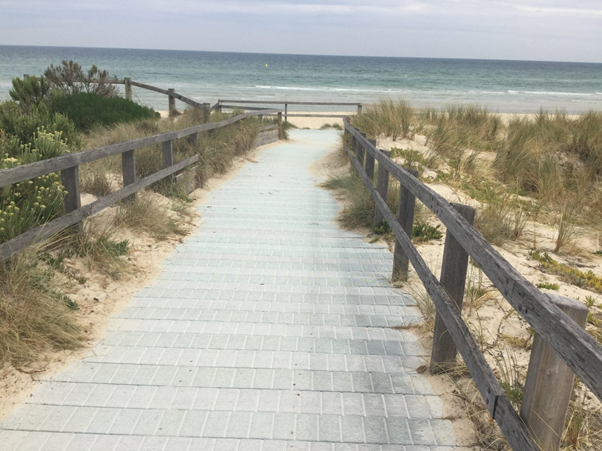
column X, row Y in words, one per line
column 554, row 93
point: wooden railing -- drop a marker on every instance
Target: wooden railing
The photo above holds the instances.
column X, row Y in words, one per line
column 69, row 164
column 561, row 348
column 241, row 104
column 170, row 93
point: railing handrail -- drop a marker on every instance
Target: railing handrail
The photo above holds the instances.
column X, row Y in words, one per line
column 557, row 329
column 28, row 171
column 277, row 102
column 575, row 347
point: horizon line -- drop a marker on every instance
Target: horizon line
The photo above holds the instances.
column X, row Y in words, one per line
column 303, row 54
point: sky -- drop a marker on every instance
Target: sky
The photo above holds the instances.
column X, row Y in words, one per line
column 549, row 30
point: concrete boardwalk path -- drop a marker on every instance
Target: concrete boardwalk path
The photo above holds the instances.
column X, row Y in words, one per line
column 269, row 330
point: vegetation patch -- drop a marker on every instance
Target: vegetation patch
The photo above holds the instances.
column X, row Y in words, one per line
column 35, row 317
column 87, row 109
column 423, row 232
column 548, row 286
column 574, row 276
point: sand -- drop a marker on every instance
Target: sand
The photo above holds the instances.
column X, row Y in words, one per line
column 100, row 297
column 503, row 334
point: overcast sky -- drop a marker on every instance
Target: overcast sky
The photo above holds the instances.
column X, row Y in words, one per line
column 558, row 30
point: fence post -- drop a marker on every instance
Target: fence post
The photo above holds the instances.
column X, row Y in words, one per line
column 382, row 186
column 370, row 161
column 285, row 112
column 206, row 113
column 360, row 150
column 172, row 102
column 260, row 118
column 128, row 88
column 193, row 140
column 219, row 106
column 359, row 108
column 549, row 383
column 168, row 155
column 70, row 180
column 279, row 117
column 453, row 279
column 128, row 167
column 405, row 217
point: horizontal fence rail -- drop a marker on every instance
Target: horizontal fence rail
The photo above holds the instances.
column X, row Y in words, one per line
column 32, row 170
column 69, row 167
column 171, row 93
column 236, row 104
column 574, row 346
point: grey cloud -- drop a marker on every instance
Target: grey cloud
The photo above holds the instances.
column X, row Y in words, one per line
column 509, row 29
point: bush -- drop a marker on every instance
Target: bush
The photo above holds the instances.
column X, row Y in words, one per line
column 22, row 124
column 89, row 109
column 25, row 205
column 70, row 78
column 30, row 91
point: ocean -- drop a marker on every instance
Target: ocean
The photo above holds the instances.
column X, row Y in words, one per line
column 502, row 86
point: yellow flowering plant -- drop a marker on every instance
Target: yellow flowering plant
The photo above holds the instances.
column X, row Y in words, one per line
column 28, row 204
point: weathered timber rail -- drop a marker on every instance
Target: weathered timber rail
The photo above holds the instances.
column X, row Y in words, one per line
column 69, row 164
column 558, row 322
column 241, row 104
column 171, row 93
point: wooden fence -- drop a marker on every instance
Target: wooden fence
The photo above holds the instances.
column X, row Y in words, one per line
column 69, row 164
column 242, row 104
column 561, row 348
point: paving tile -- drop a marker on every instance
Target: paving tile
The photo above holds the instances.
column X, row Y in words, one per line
column 269, row 329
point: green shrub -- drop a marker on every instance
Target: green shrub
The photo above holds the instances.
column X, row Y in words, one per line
column 30, row 91
column 88, row 109
column 70, row 78
column 548, row 286
column 22, row 124
column 25, row 205
column 423, row 232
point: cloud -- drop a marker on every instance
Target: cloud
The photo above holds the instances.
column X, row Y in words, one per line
column 509, row 29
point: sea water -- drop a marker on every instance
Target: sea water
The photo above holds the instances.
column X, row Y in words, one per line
column 503, row 86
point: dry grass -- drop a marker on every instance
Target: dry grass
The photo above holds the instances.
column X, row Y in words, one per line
column 216, row 148
column 150, row 217
column 358, row 210
column 34, row 316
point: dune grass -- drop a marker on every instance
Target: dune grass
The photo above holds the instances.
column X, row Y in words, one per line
column 392, row 118
column 35, row 317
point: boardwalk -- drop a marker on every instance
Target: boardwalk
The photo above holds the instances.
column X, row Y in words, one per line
column 269, row 330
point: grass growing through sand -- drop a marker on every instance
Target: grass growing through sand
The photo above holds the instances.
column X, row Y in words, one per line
column 536, row 184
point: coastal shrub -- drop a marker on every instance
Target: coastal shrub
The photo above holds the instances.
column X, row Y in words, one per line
column 30, row 91
column 26, row 205
column 70, row 78
column 89, row 109
column 24, row 123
